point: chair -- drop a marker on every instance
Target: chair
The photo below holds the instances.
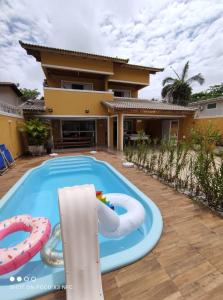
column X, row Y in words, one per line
column 3, row 164
column 7, row 155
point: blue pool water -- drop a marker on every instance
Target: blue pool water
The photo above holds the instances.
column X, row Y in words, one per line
column 36, row 194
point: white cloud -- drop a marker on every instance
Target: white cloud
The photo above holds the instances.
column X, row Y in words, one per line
column 159, row 33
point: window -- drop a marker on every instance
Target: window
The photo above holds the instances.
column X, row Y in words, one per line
column 122, row 93
column 76, row 85
column 211, row 105
column 72, row 129
column 128, row 125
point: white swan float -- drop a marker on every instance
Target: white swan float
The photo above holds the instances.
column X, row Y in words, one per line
column 111, row 224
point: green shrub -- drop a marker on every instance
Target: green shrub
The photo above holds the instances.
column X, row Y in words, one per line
column 36, row 130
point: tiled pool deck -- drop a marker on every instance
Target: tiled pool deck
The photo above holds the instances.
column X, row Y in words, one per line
column 187, row 263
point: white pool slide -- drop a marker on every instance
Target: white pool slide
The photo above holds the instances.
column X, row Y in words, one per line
column 79, row 228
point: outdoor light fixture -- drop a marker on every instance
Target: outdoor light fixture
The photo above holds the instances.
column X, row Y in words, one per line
column 50, row 110
column 87, row 111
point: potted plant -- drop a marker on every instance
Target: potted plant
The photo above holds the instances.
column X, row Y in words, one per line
column 37, row 134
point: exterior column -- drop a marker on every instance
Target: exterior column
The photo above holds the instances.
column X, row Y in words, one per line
column 108, row 132
column 120, row 131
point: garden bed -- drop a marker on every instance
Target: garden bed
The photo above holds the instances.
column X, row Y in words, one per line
column 189, row 166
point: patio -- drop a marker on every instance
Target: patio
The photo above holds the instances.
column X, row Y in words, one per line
column 187, row 262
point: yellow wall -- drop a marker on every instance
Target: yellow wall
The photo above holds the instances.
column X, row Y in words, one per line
column 129, row 74
column 76, row 62
column 216, row 122
column 188, row 123
column 10, row 136
column 66, row 102
column 185, row 126
column 120, row 73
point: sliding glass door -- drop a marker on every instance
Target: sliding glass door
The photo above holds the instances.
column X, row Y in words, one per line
column 79, row 129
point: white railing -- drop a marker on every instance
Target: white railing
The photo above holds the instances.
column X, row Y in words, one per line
column 10, row 109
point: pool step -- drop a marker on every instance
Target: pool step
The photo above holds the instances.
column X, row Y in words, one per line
column 72, row 165
column 70, row 169
column 68, row 161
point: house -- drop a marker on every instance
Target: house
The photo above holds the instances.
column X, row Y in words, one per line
column 209, row 111
column 92, row 99
column 10, row 95
column 10, row 117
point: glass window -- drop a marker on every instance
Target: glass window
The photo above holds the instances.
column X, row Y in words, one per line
column 122, row 93
column 128, row 125
column 71, row 126
column 211, row 105
column 77, row 86
column 77, row 126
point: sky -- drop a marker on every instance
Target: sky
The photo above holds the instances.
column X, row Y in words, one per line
column 161, row 33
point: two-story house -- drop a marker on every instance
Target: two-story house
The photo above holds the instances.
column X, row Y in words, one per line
column 93, row 99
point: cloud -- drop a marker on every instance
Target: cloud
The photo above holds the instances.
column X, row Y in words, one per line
column 159, row 33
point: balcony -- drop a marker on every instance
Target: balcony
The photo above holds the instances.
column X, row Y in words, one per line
column 68, row 102
column 10, row 109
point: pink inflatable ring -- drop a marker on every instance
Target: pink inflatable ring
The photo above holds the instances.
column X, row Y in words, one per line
column 14, row 257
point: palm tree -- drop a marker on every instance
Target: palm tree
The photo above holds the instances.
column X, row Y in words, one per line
column 178, row 90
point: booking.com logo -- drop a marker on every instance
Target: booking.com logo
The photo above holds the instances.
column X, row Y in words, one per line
column 21, row 279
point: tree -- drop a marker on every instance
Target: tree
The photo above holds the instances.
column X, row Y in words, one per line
column 29, row 94
column 178, row 90
column 212, row 92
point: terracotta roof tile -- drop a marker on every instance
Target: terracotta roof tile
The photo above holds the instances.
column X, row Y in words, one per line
column 33, row 105
column 139, row 67
column 122, row 104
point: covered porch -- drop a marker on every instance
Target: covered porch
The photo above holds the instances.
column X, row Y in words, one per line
column 151, row 126
column 124, row 129
column 157, row 120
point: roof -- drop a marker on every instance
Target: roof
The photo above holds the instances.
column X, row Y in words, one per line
column 139, row 67
column 206, row 101
column 33, row 105
column 13, row 86
column 35, row 51
column 126, row 104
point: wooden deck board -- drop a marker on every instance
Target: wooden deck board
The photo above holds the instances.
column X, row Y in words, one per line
column 186, row 264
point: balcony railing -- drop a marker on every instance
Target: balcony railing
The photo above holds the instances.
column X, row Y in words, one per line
column 10, row 109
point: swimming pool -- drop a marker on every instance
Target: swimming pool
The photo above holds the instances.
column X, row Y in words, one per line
column 36, row 194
